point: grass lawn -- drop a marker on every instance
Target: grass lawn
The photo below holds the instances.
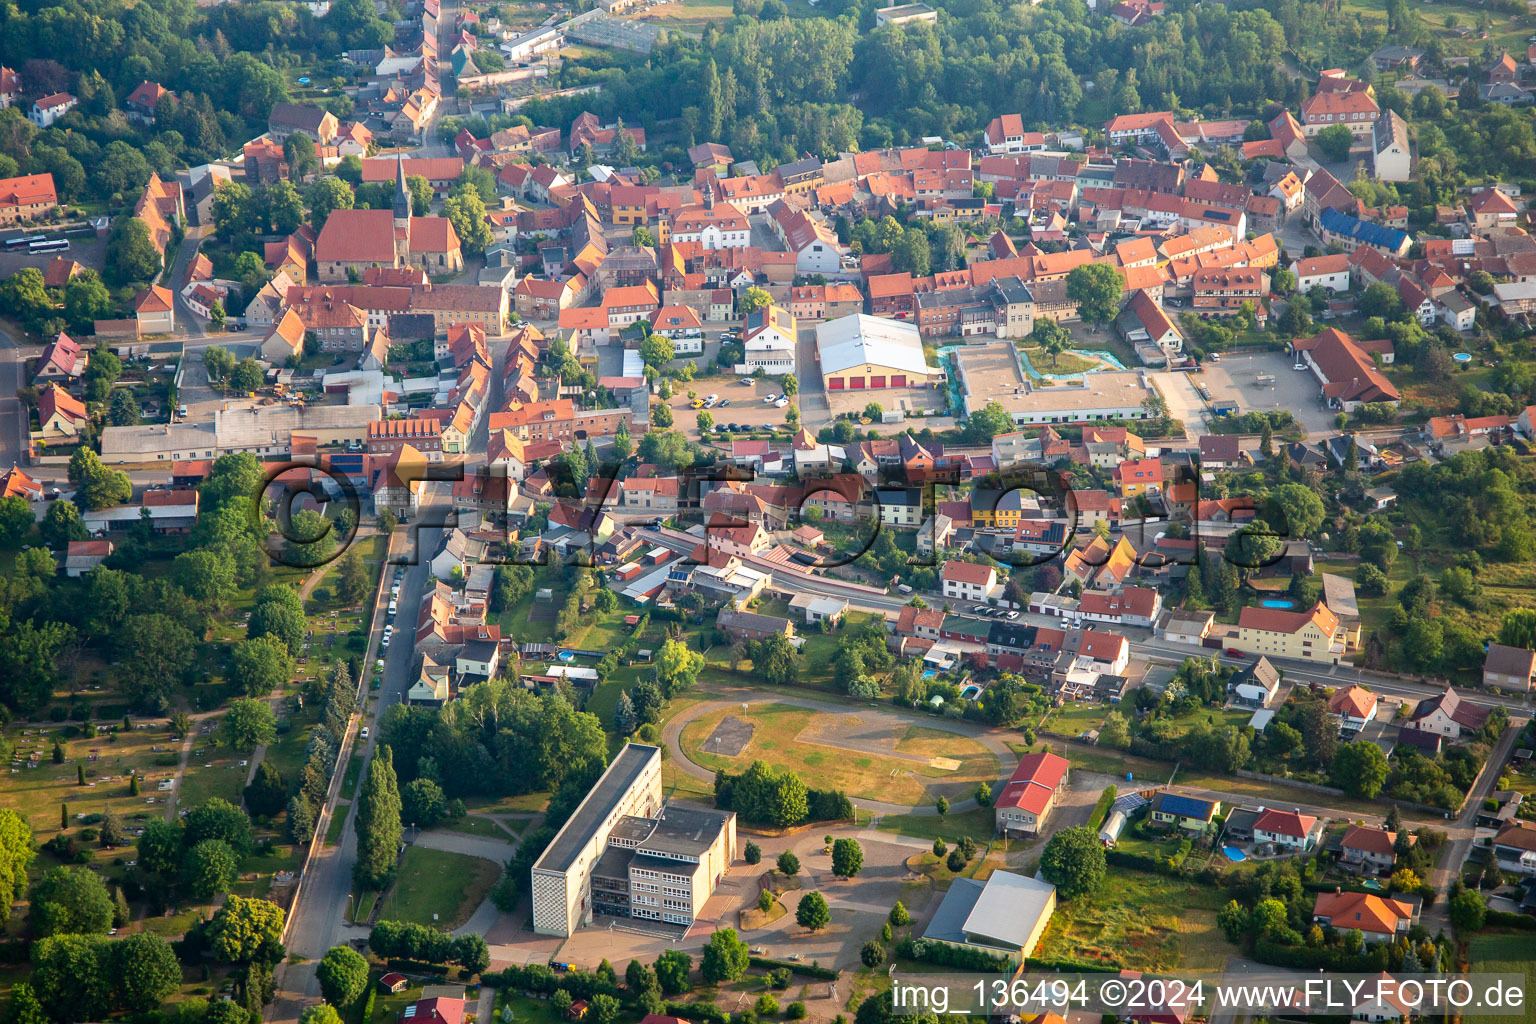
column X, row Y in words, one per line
column 1060, row 363
column 212, row 771
column 473, row 826
column 434, row 887
column 354, row 771
column 682, row 786
column 1142, row 922
column 528, row 803
column 1505, row 953
column 334, row 830
column 1075, row 719
column 978, row 824
column 524, row 1010
column 811, row 745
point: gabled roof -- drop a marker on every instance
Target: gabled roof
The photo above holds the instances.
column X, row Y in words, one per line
column 1282, row 620
column 1349, row 373
column 1510, row 661
column 1033, row 782
column 1285, row 823
column 1184, row 806
column 969, row 572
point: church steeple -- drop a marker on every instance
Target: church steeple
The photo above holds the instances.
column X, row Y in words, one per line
column 402, row 194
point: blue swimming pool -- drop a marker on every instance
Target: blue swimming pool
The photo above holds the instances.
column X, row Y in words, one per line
column 1278, row 602
column 1233, row 854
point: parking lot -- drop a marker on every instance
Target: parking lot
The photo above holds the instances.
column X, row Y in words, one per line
column 746, row 407
column 1235, row 379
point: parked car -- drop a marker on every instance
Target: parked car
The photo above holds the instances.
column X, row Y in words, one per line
column 782, row 402
column 724, row 402
column 770, row 399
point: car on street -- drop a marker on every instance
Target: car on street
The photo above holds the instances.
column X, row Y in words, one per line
column 364, row 733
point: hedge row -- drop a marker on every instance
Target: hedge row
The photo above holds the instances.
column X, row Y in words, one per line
column 1309, row 958
column 1071, row 966
column 946, row 955
column 700, row 1013
column 1504, row 919
column 1101, row 809
column 794, row 966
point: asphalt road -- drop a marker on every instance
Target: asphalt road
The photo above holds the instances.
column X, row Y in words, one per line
column 13, row 419
column 319, row 917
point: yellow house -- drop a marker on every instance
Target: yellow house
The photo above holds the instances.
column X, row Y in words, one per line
column 1311, row 635
column 1139, row 476
column 1186, row 812
column 59, row 413
column 991, row 507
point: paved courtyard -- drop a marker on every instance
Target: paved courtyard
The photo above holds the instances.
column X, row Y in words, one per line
column 1235, row 379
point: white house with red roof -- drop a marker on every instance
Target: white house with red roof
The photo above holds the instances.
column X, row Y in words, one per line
column 968, row 581
column 1367, row 848
column 435, row 1010
column 1374, row 917
column 1354, row 707
column 1289, row 830
column 1448, row 715
column 1006, row 134
column 1355, row 110
column 681, row 326
column 1131, row 606
column 48, row 109
column 734, row 537
column 63, row 359
column 1030, row 793
column 1105, row 653
column 16, row 484
column 144, row 100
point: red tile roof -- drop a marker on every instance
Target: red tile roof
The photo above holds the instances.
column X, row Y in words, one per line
column 1033, row 782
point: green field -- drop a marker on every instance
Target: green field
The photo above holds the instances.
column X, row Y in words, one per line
column 979, row 824
column 899, row 764
column 1506, row 953
column 1140, row 922
column 433, row 887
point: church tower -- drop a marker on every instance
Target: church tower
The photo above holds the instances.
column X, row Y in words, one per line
column 402, row 195
column 402, row 207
